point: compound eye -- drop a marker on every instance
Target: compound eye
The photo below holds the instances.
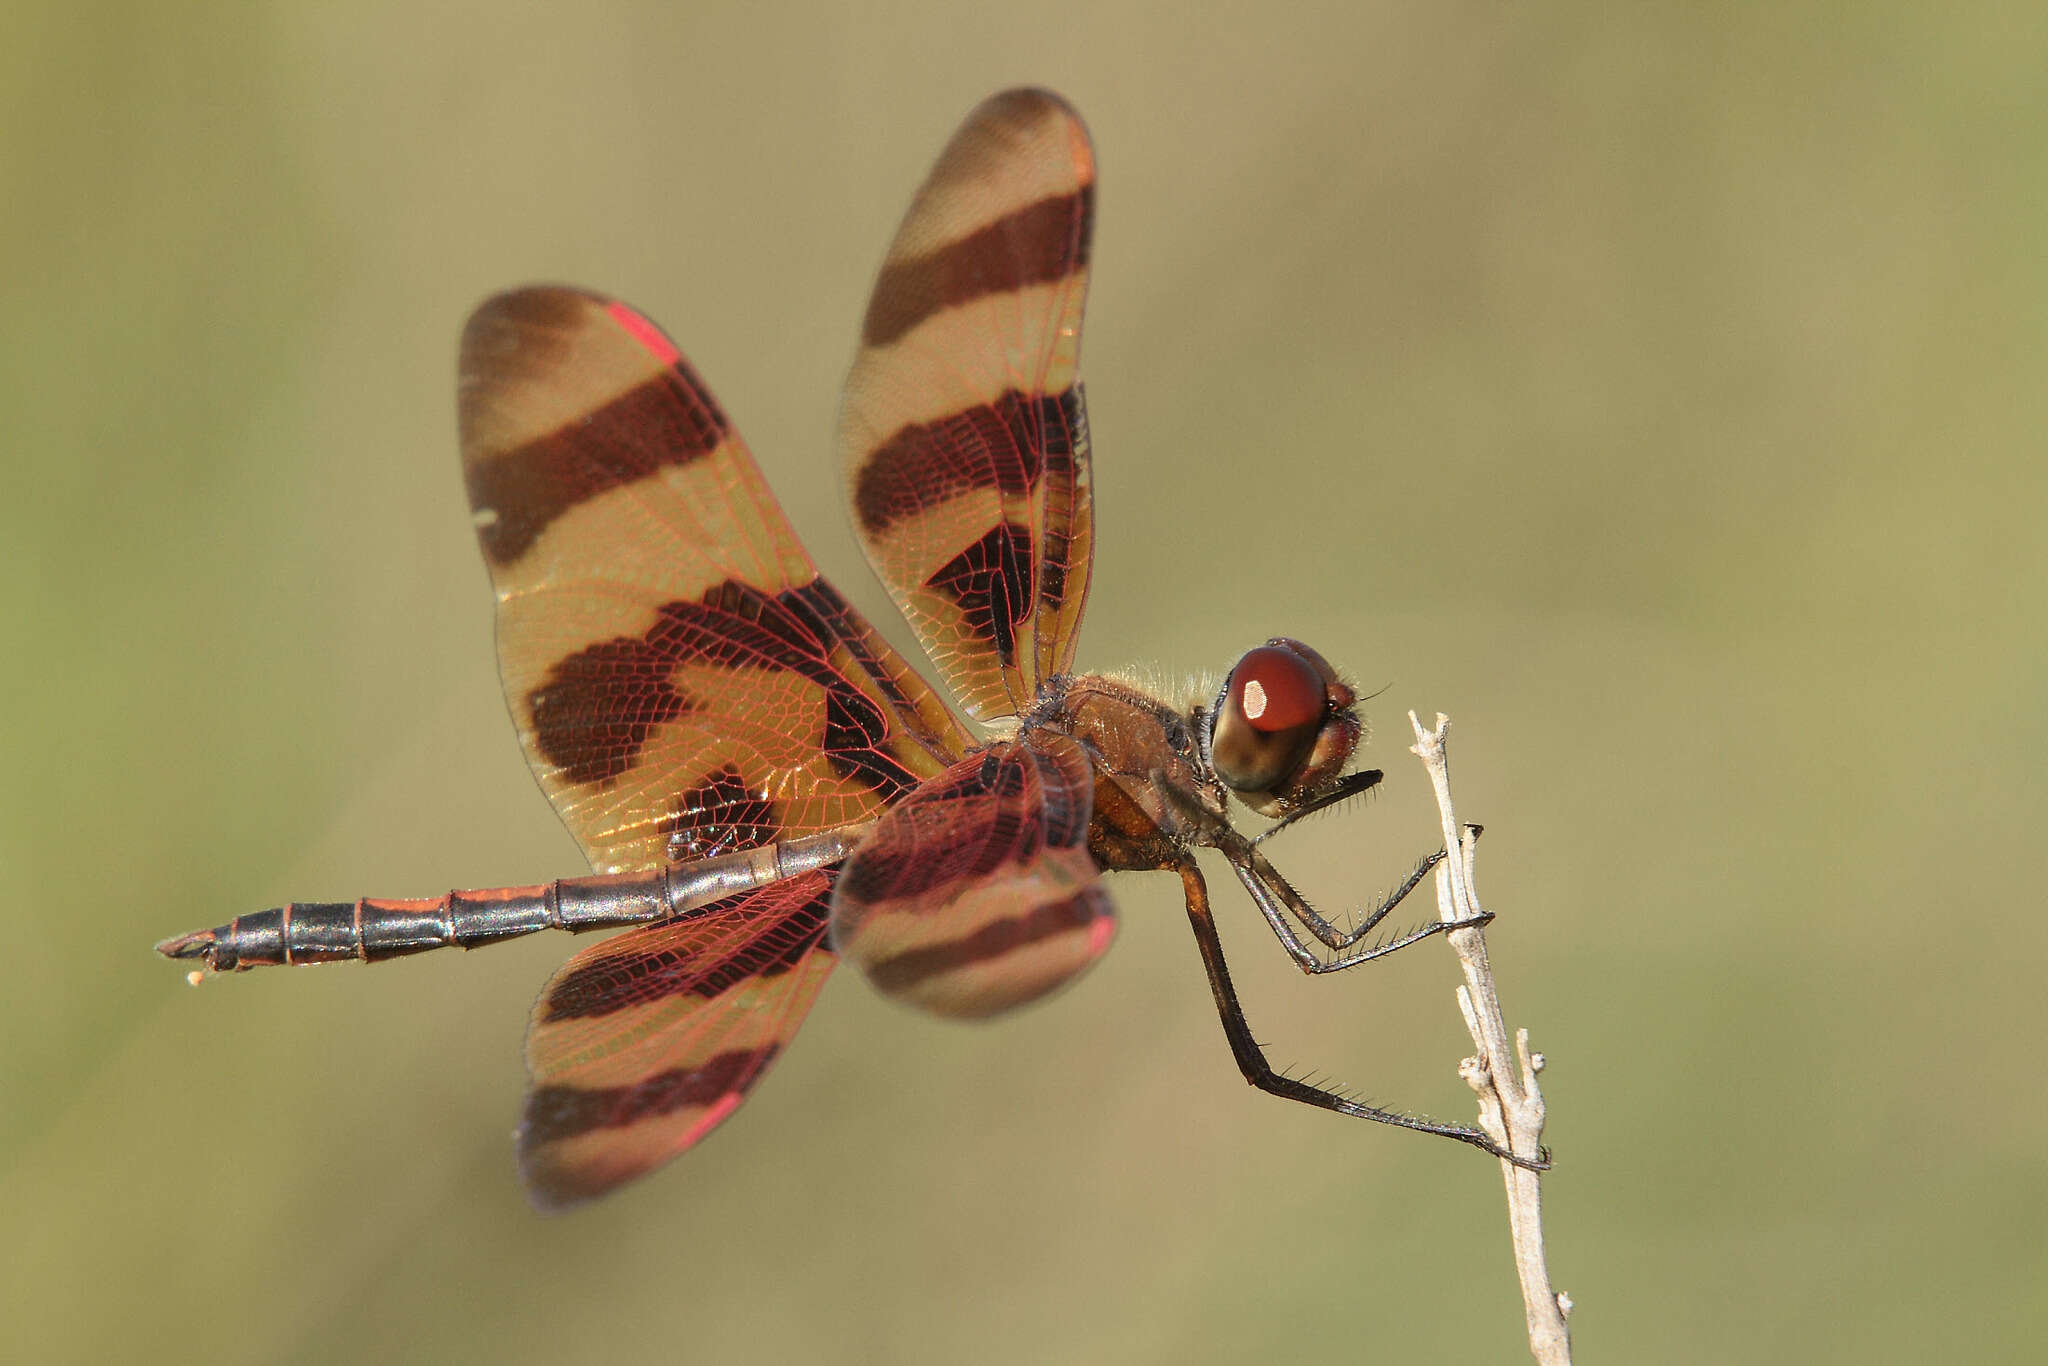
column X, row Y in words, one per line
column 1270, row 713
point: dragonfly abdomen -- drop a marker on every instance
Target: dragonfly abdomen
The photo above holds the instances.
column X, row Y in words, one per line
column 371, row 929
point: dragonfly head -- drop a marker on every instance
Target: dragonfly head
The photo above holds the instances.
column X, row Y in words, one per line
column 1282, row 728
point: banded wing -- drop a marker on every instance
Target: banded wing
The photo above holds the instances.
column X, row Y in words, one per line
column 684, row 684
column 963, row 429
column 682, row 680
column 977, row 892
column 642, row 1044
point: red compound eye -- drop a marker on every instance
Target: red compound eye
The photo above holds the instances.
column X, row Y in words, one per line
column 1272, row 710
column 1276, row 689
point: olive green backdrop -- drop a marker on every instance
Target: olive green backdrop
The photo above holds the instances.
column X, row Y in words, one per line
column 1655, row 389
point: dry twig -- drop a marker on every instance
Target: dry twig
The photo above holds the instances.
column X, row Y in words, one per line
column 1510, row 1104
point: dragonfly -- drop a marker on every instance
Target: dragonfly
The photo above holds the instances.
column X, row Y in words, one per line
column 762, row 785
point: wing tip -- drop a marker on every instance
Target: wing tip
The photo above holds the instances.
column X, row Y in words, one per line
column 1021, row 109
column 500, row 317
column 1021, row 103
column 1022, row 99
column 554, row 1186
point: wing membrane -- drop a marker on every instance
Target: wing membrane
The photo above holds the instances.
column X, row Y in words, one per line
column 682, row 679
column 963, row 429
column 977, row 892
column 644, row 1043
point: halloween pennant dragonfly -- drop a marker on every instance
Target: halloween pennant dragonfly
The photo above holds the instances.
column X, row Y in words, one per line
column 761, row 783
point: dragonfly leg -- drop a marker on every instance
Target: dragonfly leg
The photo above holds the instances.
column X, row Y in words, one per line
column 1347, row 787
column 1277, row 900
column 1251, row 1059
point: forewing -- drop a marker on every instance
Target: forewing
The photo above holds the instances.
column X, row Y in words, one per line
column 977, row 892
column 963, row 429
column 644, row 1043
column 683, row 681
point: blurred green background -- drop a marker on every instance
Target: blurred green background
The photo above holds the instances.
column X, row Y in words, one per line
column 1655, row 389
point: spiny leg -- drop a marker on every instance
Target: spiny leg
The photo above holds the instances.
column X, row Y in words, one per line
column 1251, row 1059
column 1276, row 898
column 1347, row 788
column 1272, row 893
column 1306, row 958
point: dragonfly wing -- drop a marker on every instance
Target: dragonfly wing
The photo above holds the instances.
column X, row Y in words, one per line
column 644, row 1043
column 683, row 681
column 963, row 428
column 977, row 893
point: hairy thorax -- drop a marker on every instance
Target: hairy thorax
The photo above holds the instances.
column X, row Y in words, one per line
column 1141, row 747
